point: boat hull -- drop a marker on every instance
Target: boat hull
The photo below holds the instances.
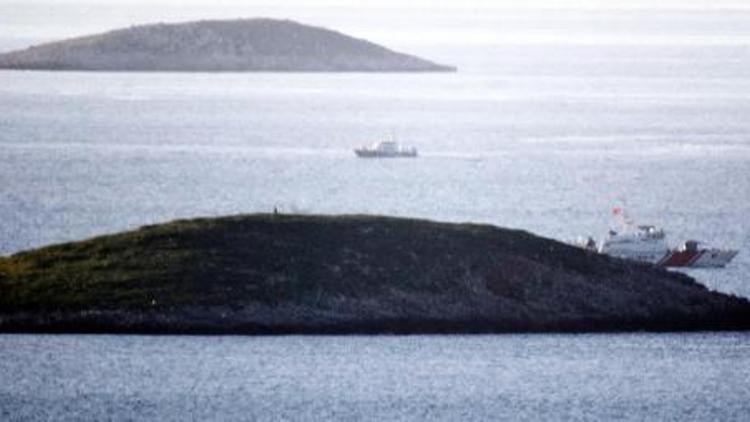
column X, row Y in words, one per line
column 703, row 258
column 659, row 254
column 379, row 154
column 700, row 258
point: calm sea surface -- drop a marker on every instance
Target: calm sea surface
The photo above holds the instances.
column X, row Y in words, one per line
column 546, row 139
column 662, row 377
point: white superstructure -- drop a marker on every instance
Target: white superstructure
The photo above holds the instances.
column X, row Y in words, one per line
column 385, row 149
column 645, row 243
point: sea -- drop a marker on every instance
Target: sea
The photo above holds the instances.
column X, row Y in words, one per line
column 538, row 136
column 660, row 377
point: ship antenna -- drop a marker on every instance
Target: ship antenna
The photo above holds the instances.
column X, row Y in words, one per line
column 622, row 219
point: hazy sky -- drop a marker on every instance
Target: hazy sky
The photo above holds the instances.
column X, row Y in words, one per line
column 402, row 24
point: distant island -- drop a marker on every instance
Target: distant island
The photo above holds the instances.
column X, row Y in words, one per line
column 243, row 45
column 279, row 274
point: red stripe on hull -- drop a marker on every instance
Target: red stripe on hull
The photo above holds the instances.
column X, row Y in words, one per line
column 680, row 258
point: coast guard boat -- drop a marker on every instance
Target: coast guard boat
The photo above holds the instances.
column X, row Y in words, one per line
column 647, row 243
column 385, row 149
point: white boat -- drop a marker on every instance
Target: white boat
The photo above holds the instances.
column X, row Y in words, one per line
column 647, row 243
column 385, row 149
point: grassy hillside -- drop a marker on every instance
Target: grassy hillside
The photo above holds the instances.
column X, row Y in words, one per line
column 287, row 273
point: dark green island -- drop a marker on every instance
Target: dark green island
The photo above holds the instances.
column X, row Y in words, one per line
column 281, row 274
column 240, row 45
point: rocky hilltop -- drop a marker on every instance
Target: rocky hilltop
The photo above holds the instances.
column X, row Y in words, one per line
column 262, row 274
column 225, row 45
